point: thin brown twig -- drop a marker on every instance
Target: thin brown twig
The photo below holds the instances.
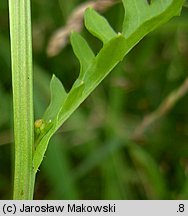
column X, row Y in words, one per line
column 163, row 109
column 74, row 23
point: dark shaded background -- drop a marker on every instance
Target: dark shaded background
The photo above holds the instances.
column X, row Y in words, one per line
column 94, row 155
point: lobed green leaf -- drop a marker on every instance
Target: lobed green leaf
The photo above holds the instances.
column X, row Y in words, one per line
column 143, row 17
column 82, row 51
column 58, row 96
column 140, row 19
column 66, row 109
column 98, row 26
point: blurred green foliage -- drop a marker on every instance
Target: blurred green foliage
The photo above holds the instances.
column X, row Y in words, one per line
column 92, row 155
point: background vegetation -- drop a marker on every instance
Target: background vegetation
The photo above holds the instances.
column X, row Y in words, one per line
column 102, row 152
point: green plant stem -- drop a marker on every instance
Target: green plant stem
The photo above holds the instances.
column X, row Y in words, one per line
column 22, row 82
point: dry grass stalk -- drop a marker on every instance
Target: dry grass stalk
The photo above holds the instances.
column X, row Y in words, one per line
column 163, row 108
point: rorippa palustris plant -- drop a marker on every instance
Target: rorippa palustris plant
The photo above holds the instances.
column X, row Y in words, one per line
column 31, row 139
